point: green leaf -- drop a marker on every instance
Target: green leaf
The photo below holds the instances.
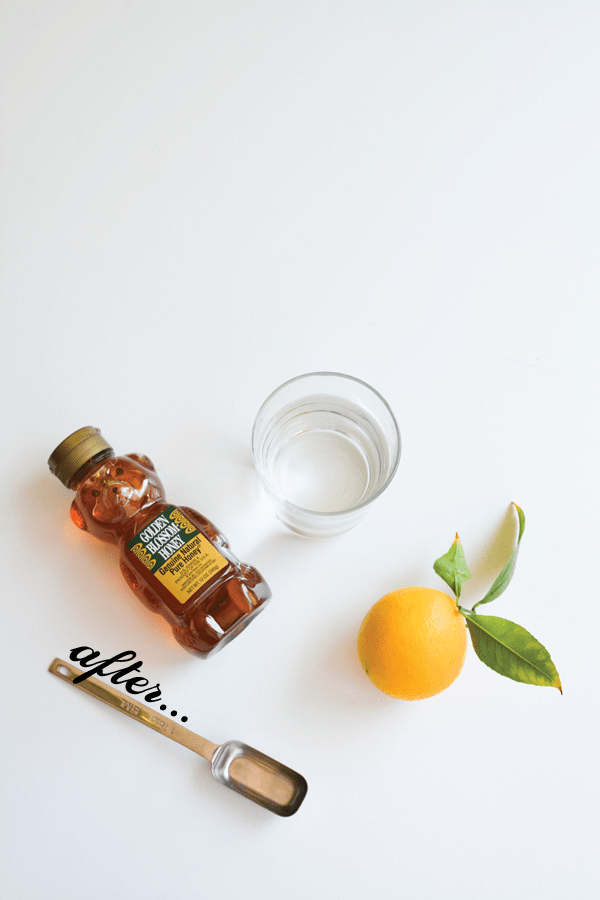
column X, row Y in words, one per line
column 452, row 567
column 503, row 579
column 511, row 651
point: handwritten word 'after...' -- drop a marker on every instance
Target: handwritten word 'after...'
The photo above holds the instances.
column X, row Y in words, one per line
column 87, row 657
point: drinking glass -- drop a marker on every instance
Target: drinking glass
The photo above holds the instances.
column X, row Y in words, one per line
column 325, row 446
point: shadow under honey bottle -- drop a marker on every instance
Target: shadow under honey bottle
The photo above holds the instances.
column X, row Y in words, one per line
column 176, row 562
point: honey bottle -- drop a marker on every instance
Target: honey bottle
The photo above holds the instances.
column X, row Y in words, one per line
column 174, row 560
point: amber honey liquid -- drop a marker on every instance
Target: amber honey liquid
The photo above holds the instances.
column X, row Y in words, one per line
column 176, row 562
column 213, row 614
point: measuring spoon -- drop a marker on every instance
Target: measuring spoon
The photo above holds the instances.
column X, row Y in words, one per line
column 236, row 765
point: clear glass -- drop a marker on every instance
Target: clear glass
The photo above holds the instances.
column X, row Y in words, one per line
column 325, row 446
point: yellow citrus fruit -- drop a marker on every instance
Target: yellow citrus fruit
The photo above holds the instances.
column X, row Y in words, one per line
column 412, row 643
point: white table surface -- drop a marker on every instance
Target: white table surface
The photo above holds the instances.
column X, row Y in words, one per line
column 201, row 200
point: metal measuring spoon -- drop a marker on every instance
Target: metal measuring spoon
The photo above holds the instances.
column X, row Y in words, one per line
column 236, row 765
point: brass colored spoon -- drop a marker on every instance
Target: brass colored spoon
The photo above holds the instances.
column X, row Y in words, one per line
column 234, row 764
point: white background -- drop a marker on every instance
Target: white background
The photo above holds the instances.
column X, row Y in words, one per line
column 199, row 201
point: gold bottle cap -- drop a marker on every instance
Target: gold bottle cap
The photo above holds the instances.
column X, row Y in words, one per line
column 75, row 451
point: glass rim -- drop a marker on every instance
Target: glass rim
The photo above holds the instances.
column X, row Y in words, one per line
column 340, row 512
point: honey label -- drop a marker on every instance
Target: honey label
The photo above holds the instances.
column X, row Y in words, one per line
column 176, row 553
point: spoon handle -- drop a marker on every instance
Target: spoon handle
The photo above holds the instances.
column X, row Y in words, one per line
column 135, row 710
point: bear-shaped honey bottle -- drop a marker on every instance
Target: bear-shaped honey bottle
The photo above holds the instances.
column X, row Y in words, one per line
column 175, row 561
